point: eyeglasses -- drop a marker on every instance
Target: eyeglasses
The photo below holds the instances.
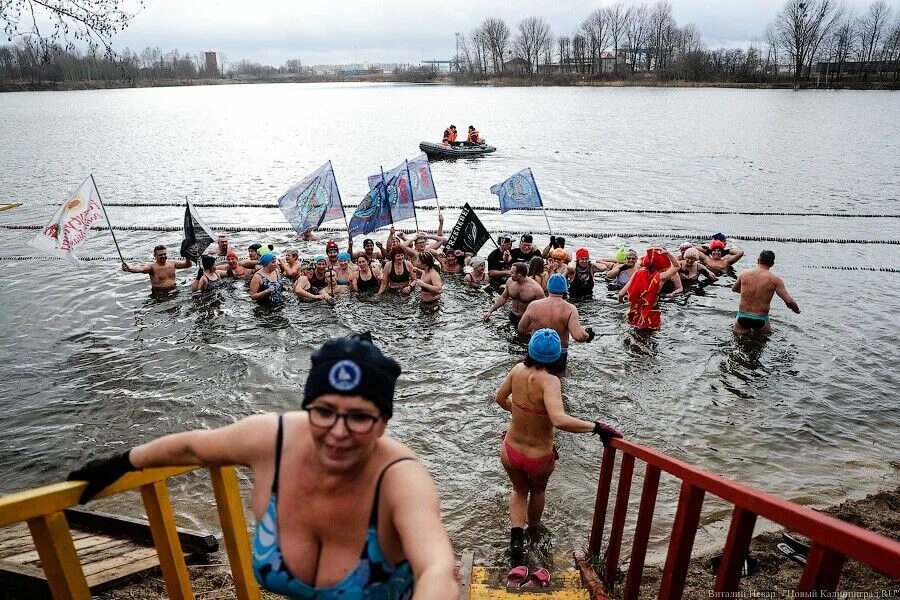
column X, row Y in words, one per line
column 355, row 422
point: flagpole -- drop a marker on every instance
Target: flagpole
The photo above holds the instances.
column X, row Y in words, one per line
column 384, row 183
column 122, row 258
column 541, row 200
column 412, row 193
column 343, row 212
column 433, row 186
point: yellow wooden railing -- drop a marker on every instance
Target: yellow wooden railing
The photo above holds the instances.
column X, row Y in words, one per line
column 42, row 509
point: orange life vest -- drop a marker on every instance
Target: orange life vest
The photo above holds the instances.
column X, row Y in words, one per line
column 452, row 137
column 473, row 136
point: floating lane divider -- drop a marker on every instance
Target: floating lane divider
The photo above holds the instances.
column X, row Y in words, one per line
column 568, row 234
column 145, row 259
column 549, row 208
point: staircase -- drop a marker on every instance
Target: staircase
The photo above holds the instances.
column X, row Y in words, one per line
column 489, row 583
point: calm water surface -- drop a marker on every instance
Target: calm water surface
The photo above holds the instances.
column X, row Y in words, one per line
column 89, row 364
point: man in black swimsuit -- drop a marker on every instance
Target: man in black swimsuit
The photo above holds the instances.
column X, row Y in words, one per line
column 499, row 260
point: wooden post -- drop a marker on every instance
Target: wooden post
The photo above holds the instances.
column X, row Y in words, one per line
column 641, row 533
column 740, row 533
column 687, row 516
column 823, row 570
column 600, row 505
column 165, row 538
column 54, row 544
column 623, row 492
column 234, row 531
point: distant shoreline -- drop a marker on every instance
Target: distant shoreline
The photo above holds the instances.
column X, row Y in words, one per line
column 507, row 81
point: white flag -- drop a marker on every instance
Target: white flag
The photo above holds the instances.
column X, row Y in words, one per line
column 69, row 227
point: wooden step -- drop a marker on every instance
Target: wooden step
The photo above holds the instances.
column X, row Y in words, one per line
column 490, row 584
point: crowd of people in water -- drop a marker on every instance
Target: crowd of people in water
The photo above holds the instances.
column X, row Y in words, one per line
column 535, row 282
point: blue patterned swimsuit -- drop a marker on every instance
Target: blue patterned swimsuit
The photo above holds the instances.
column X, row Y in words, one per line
column 374, row 578
column 277, row 296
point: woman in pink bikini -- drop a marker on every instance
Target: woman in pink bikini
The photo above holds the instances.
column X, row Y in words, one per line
column 532, row 393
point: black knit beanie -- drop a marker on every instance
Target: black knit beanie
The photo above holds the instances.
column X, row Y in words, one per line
column 353, row 366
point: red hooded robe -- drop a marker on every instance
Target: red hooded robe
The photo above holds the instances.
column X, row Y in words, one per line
column 643, row 290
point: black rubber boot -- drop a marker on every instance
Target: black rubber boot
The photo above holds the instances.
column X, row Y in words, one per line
column 517, row 546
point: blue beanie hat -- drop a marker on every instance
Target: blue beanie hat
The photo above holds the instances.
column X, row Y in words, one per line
column 544, row 346
column 266, row 258
column 557, row 284
column 353, row 366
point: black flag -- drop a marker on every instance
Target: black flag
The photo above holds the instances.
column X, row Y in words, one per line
column 197, row 236
column 469, row 234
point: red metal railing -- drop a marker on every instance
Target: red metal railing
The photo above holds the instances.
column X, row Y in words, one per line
column 833, row 541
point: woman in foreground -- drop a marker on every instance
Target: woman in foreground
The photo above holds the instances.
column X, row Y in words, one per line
column 342, row 510
column 532, row 393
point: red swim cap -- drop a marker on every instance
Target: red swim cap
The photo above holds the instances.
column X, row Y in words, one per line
column 231, row 254
column 717, row 245
column 582, row 253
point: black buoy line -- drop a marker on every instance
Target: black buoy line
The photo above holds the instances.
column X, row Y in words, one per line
column 567, row 234
column 548, row 208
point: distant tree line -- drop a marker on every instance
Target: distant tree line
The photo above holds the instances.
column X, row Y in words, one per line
column 31, row 62
column 624, row 40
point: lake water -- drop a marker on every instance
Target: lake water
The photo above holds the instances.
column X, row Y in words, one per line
column 89, row 364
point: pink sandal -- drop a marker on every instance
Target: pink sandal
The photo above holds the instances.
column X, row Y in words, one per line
column 517, row 576
column 537, row 579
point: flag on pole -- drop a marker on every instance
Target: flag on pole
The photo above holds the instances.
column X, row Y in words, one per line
column 313, row 201
column 373, row 212
column 469, row 234
column 519, row 191
column 69, row 227
column 399, row 191
column 421, row 179
column 197, row 236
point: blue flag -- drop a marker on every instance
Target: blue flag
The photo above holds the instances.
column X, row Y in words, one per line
column 399, row 191
column 420, row 178
column 313, row 201
column 373, row 212
column 519, row 191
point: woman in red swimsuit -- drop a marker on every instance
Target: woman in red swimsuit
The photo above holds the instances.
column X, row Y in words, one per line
column 532, row 393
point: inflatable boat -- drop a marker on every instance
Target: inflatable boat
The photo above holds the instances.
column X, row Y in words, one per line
column 457, row 150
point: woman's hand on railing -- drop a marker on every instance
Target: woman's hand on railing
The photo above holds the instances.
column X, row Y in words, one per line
column 101, row 472
column 606, row 432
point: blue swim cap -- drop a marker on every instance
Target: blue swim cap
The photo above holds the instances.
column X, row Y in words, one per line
column 544, row 346
column 266, row 258
column 318, row 257
column 557, row 284
column 344, row 256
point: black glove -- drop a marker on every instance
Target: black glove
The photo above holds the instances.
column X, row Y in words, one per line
column 553, row 241
column 591, row 334
column 606, row 432
column 101, row 472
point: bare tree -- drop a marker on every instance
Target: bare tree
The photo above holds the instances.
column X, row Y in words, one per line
column 92, row 22
column 636, row 33
column 800, row 26
column 579, row 52
column 662, row 25
column 618, row 17
column 841, row 46
column 596, row 33
column 773, row 43
column 872, row 28
column 564, row 47
column 498, row 35
column 534, row 32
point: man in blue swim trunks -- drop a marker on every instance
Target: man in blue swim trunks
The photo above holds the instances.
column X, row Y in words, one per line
column 756, row 287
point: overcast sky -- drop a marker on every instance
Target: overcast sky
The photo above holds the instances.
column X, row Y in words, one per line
column 328, row 32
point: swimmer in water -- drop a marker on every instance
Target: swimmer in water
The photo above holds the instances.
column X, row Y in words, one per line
column 478, row 277
column 318, row 284
column 719, row 260
column 557, row 262
column 555, row 313
column 161, row 270
column 266, row 287
column 532, row 394
column 643, row 289
column 581, row 276
column 343, row 274
column 430, row 282
column 621, row 273
column 366, row 278
column 537, row 270
column 521, row 289
column 290, row 264
column 232, row 269
column 331, row 254
column 757, row 287
column 218, row 249
column 452, row 260
column 399, row 275
column 368, row 250
column 208, row 278
column 690, row 269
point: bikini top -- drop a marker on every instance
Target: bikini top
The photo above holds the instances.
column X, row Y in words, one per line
column 367, row 284
column 373, row 577
column 528, row 409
